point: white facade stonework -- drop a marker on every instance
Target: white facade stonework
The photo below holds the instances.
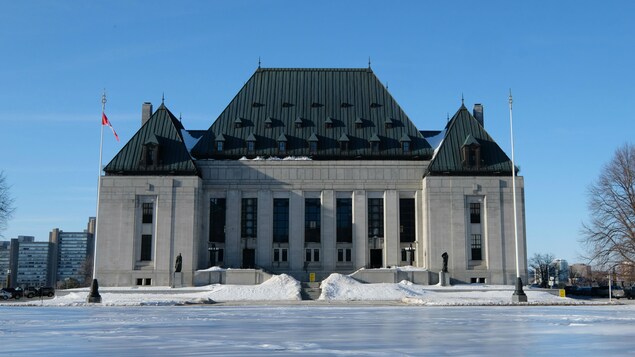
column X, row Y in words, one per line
column 309, row 171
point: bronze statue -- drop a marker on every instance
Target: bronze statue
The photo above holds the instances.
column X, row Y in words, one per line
column 179, row 264
column 445, row 261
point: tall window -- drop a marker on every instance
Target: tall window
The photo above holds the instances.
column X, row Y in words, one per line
column 251, row 146
column 475, row 212
column 147, row 212
column 281, row 220
column 146, row 247
column 282, row 147
column 312, row 255
column 249, row 217
column 375, row 217
column 313, row 147
column 477, row 247
column 312, row 215
column 217, row 215
column 344, row 212
column 407, row 220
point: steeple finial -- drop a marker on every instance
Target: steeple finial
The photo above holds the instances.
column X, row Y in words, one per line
column 368, row 62
column 258, row 61
column 462, row 99
column 448, row 116
column 163, row 98
column 180, row 120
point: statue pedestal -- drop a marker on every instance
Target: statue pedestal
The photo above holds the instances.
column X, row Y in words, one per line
column 178, row 280
column 444, row 278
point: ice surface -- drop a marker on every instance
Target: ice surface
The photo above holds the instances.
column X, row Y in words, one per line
column 317, row 331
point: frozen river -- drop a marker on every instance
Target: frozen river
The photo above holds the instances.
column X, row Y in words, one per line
column 317, row 331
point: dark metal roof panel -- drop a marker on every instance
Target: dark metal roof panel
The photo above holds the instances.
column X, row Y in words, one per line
column 174, row 158
column 448, row 159
column 314, row 95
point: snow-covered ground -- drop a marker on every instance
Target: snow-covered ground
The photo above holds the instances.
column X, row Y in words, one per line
column 281, row 288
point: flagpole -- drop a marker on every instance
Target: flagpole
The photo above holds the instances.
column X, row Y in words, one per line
column 94, row 296
column 519, row 295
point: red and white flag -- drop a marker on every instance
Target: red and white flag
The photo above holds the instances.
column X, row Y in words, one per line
column 105, row 121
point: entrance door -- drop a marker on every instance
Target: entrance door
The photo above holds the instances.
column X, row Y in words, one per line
column 249, row 258
column 376, row 258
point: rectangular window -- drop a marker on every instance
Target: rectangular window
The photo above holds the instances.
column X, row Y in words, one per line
column 475, row 212
column 281, row 220
column 148, row 281
column 374, row 146
column 139, row 281
column 476, row 247
column 312, row 215
column 147, row 212
column 251, row 146
column 344, row 255
column 406, row 147
column 249, row 217
column 407, row 220
column 217, row 216
column 219, row 146
column 375, row 217
column 313, row 147
column 219, row 255
column 344, row 212
column 146, row 247
column 280, row 254
column 312, row 255
column 282, row 147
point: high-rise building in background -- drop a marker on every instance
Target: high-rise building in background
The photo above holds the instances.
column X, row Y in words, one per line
column 31, row 262
column 73, row 254
column 65, row 257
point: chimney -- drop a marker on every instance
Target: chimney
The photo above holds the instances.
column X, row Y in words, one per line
column 146, row 112
column 478, row 113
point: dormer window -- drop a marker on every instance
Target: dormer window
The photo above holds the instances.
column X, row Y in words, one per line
column 150, row 153
column 220, row 143
column 344, row 141
column 298, row 123
column 238, row 123
column 374, row 143
column 328, row 123
column 389, row 123
column 471, row 153
column 359, row 123
column 251, row 143
column 268, row 123
column 313, row 144
column 282, row 144
column 405, row 144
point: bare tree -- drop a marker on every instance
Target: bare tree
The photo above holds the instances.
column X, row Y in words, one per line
column 541, row 265
column 6, row 203
column 609, row 237
column 86, row 271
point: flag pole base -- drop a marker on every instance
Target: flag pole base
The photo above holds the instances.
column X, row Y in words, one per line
column 519, row 295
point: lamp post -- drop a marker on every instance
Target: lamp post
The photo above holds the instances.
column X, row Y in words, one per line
column 518, row 295
column 411, row 251
column 212, row 250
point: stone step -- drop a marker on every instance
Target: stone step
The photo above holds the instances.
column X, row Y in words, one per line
column 310, row 290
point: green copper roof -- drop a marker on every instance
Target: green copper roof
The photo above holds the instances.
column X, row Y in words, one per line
column 464, row 130
column 303, row 105
column 164, row 133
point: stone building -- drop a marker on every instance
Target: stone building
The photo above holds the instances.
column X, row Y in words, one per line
column 309, row 170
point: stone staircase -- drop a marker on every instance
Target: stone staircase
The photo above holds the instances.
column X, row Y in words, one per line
column 310, row 291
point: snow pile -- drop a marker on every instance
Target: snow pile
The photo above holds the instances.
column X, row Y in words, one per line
column 339, row 287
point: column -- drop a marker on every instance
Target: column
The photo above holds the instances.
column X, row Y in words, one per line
column 328, row 230
column 360, row 230
column 233, row 252
column 264, row 241
column 392, row 249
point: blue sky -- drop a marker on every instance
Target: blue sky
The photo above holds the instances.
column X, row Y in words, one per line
column 568, row 63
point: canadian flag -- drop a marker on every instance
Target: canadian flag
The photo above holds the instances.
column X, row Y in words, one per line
column 105, row 121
